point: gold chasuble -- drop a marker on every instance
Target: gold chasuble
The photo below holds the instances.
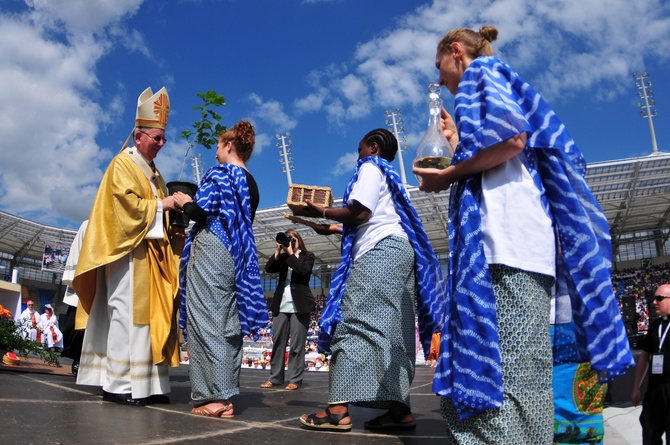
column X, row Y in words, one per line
column 123, row 211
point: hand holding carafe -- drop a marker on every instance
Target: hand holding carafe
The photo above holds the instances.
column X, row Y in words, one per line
column 434, row 150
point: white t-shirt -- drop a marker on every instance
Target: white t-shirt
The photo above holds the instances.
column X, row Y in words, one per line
column 372, row 192
column 517, row 230
column 287, row 305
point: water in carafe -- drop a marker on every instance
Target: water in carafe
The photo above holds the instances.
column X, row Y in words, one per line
column 434, row 150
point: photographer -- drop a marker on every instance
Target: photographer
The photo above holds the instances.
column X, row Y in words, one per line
column 292, row 303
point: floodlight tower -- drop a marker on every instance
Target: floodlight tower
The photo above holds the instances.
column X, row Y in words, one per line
column 284, row 143
column 394, row 123
column 646, row 94
column 196, row 163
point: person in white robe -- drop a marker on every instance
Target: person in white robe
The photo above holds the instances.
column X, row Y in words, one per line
column 30, row 321
column 73, row 339
column 51, row 333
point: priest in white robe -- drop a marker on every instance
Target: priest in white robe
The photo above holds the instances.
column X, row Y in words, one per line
column 51, row 333
column 30, row 321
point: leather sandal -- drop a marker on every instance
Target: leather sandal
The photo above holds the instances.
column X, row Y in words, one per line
column 292, row 387
column 331, row 422
column 269, row 384
column 396, row 423
column 225, row 411
column 228, row 413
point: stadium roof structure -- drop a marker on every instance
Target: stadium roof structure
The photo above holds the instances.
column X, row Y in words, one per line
column 634, row 194
column 23, row 239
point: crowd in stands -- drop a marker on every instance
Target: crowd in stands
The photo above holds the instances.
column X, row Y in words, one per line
column 319, row 363
column 627, row 283
column 263, row 339
column 265, row 334
column 638, row 284
column 54, row 259
column 635, row 283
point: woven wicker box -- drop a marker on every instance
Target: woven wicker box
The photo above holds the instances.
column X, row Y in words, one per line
column 298, row 193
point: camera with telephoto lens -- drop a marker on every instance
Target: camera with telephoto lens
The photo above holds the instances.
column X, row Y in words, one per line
column 285, row 239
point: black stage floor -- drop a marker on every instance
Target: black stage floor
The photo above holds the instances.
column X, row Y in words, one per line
column 45, row 409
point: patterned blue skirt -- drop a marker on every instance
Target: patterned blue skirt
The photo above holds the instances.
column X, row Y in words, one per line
column 373, row 347
column 214, row 331
column 526, row 417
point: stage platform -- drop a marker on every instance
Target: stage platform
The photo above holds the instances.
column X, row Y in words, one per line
column 42, row 407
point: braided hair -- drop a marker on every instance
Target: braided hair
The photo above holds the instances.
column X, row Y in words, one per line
column 385, row 140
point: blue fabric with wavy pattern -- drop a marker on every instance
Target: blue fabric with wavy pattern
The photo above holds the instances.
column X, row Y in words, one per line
column 430, row 283
column 493, row 104
column 223, row 194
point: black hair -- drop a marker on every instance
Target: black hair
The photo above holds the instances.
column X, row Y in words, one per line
column 385, row 140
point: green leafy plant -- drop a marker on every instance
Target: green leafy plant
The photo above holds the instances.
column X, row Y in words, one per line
column 207, row 129
column 11, row 340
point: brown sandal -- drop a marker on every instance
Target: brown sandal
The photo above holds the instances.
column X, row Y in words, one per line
column 269, row 384
column 228, row 413
column 225, row 411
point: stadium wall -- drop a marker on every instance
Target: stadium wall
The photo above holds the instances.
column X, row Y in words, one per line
column 641, row 263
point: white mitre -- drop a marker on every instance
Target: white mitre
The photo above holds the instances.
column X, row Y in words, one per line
column 152, row 111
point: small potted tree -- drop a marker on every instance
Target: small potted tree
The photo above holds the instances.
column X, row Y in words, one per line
column 205, row 132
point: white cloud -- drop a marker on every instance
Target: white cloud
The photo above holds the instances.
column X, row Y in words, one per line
column 272, row 112
column 355, row 92
column 84, row 16
column 49, row 118
column 262, row 140
column 132, row 40
column 48, row 125
column 312, row 102
column 572, row 45
column 271, row 118
column 335, row 111
column 346, row 164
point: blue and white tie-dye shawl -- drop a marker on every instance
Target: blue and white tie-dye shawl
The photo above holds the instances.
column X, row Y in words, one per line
column 224, row 195
column 430, row 284
column 493, row 104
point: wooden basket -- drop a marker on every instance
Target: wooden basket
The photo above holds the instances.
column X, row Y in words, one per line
column 298, row 193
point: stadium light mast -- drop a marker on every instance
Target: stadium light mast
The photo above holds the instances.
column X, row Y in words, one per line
column 394, row 123
column 196, row 163
column 284, row 153
column 646, row 94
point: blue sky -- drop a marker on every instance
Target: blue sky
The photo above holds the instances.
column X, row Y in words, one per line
column 325, row 70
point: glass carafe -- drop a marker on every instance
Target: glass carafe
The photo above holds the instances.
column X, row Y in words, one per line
column 434, row 150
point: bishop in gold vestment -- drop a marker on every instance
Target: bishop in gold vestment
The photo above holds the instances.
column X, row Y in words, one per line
column 126, row 277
